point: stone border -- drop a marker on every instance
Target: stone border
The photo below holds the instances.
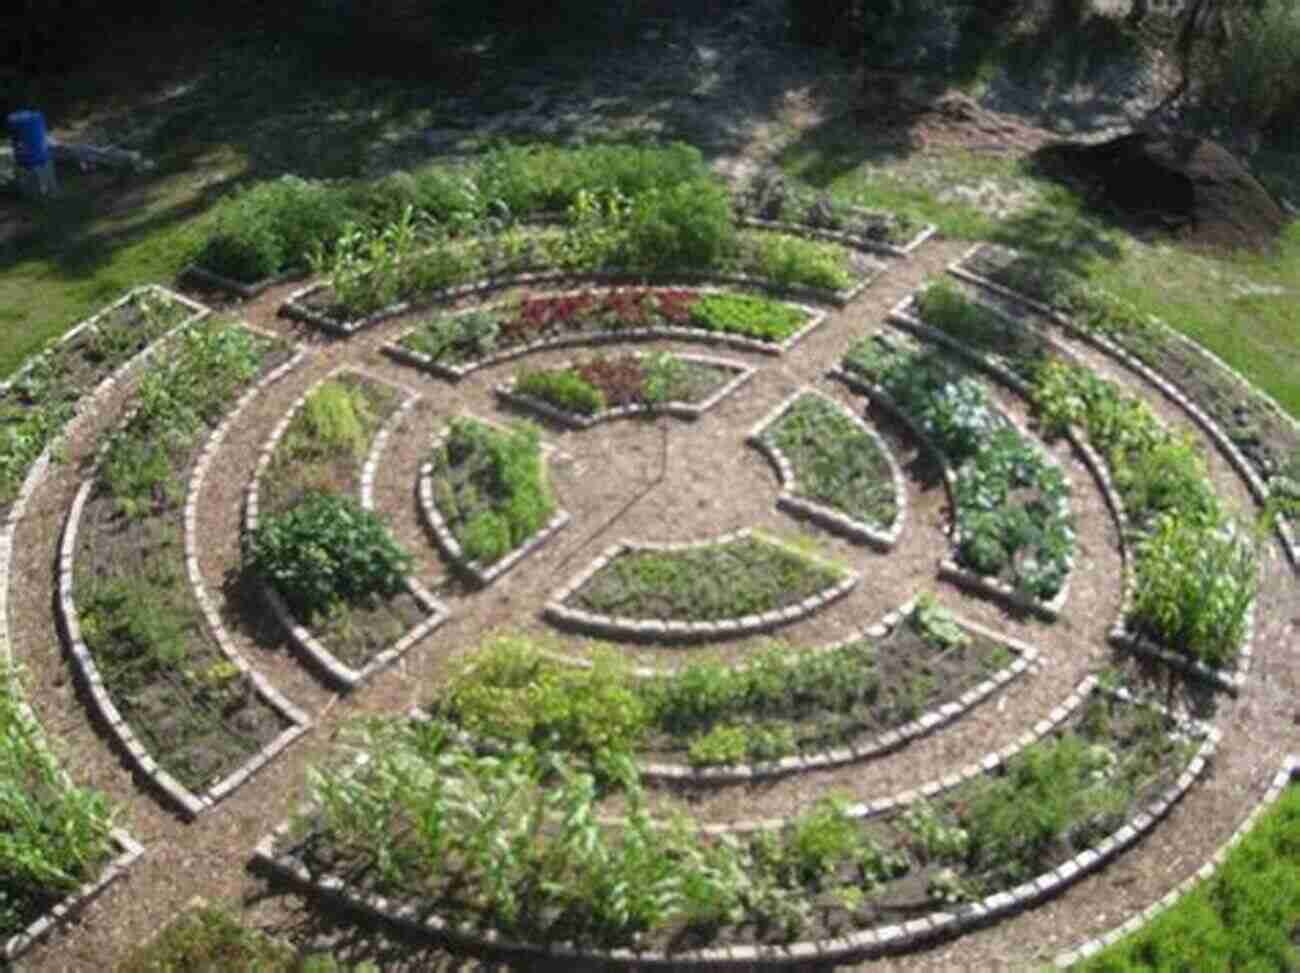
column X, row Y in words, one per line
column 903, row 250
column 678, row 631
column 343, row 676
column 16, row 945
column 886, row 742
column 681, row 410
column 189, row 803
column 436, row 524
column 1288, row 533
column 246, row 291
column 1290, row 773
column 393, row 349
column 1231, row 680
column 859, row 944
column 830, row 518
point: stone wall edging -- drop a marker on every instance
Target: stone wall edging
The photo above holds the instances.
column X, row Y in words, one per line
column 437, row 525
column 1286, row 530
column 677, row 409
column 343, row 676
column 1289, row 773
column 396, row 351
column 859, row 944
column 834, row 520
column 676, row 631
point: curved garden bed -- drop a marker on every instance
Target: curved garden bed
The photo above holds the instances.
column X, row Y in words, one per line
column 453, row 345
column 599, row 389
column 189, row 714
column 353, row 611
column 735, row 584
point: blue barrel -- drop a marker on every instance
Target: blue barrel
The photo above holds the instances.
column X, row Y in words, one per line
column 27, row 129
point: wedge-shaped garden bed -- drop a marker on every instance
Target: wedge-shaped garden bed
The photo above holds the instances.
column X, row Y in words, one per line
column 331, row 571
column 834, row 468
column 605, row 387
column 1013, row 533
column 38, row 403
column 452, row 345
column 827, row 884
column 731, row 585
column 486, row 497
column 191, row 717
column 787, row 711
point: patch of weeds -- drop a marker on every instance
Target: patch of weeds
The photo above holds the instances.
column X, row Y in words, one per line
column 834, row 461
column 491, row 488
column 741, row 577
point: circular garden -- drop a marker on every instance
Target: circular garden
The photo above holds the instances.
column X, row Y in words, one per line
column 636, row 583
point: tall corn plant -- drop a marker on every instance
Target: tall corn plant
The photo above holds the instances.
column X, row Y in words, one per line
column 53, row 836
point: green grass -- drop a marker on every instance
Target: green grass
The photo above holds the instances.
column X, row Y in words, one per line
column 1246, row 917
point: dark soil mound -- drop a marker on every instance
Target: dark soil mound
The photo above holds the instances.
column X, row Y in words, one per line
column 1192, row 187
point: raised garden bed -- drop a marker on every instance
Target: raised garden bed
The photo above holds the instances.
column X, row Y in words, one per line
column 598, row 389
column 310, row 466
column 1256, row 434
column 486, row 497
column 38, row 403
column 191, row 717
column 1013, row 530
column 787, row 711
column 834, row 468
column 827, row 885
column 780, row 262
column 453, row 345
column 731, row 585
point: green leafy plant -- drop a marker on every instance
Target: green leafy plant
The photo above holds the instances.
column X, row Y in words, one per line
column 685, row 225
column 794, row 261
column 563, row 388
column 324, row 550
column 747, row 314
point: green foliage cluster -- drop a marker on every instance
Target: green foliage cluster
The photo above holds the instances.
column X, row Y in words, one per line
column 1197, row 573
column 177, row 399
column 324, row 551
column 944, row 306
column 563, row 388
column 793, row 261
column 1243, row 918
column 1011, row 500
column 42, row 399
column 491, row 487
column 750, row 315
column 834, row 461
column 55, row 835
column 781, row 702
column 747, row 576
column 271, row 227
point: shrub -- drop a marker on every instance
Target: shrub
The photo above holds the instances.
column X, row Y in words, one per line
column 327, row 550
column 335, row 418
column 563, row 388
column 686, row 225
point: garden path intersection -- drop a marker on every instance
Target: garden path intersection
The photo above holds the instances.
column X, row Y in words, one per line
column 672, row 481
